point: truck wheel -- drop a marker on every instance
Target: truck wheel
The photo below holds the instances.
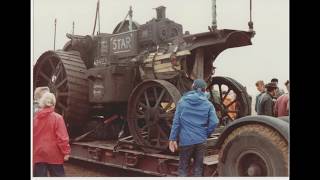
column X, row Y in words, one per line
column 285, row 118
column 254, row 150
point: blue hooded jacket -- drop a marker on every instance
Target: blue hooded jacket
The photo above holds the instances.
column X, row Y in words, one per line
column 194, row 120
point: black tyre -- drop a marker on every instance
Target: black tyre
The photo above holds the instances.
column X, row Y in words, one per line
column 254, row 150
column 285, row 118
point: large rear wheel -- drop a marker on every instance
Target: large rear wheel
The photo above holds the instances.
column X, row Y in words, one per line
column 64, row 73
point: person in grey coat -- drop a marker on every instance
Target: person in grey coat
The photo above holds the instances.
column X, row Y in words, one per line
column 265, row 105
column 261, row 89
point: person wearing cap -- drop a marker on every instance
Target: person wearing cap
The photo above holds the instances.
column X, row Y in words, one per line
column 38, row 92
column 279, row 91
column 281, row 107
column 265, row 104
column 194, row 121
column 50, row 139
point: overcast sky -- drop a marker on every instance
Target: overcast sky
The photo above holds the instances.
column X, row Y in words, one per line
column 268, row 57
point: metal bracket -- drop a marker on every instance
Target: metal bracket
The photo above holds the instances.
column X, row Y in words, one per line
column 95, row 153
column 162, row 166
column 131, row 160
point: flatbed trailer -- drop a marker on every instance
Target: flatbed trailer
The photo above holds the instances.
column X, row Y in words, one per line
column 126, row 154
column 249, row 146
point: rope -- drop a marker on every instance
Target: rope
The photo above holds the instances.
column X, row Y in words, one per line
column 250, row 10
column 95, row 19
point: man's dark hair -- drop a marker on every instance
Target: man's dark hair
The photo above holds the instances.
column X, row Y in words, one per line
column 286, row 83
column 270, row 89
column 271, row 86
column 274, row 80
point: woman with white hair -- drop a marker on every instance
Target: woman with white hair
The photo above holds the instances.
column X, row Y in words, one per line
column 38, row 92
column 50, row 139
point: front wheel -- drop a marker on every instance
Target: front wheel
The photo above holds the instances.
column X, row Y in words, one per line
column 151, row 109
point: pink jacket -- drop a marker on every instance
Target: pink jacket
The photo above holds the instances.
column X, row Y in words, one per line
column 281, row 106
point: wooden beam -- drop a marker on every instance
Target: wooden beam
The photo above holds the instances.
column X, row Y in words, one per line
column 165, row 56
column 198, row 68
column 166, row 67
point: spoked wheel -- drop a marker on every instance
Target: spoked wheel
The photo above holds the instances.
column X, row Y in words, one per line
column 64, row 73
column 229, row 98
column 151, row 110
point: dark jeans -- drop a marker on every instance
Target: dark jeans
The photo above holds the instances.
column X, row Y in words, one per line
column 195, row 151
column 41, row 170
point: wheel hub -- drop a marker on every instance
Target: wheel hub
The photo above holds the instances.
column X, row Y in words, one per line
column 251, row 163
column 254, row 170
column 152, row 115
column 53, row 79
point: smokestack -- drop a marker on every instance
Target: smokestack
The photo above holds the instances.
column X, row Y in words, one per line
column 161, row 12
column 214, row 15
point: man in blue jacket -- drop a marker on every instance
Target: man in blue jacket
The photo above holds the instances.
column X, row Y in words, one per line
column 194, row 121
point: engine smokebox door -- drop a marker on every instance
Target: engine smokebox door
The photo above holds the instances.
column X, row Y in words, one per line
column 111, row 84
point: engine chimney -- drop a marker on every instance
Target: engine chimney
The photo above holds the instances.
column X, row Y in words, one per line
column 214, row 14
column 161, row 12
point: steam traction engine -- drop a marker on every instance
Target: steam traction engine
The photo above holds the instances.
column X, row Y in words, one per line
column 137, row 74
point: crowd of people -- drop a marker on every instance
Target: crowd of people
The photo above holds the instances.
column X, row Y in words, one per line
column 271, row 100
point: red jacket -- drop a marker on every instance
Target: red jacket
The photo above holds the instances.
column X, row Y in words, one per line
column 50, row 137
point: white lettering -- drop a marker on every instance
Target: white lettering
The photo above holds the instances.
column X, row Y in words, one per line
column 114, row 45
column 128, row 42
column 121, row 43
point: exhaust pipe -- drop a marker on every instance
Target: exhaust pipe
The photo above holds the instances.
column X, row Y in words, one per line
column 214, row 15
